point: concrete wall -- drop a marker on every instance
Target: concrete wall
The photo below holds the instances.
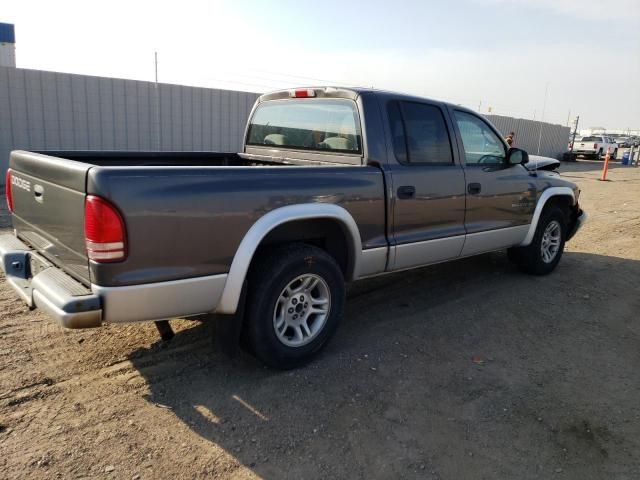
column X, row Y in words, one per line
column 554, row 141
column 57, row 111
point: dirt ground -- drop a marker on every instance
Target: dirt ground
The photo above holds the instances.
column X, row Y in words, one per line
column 466, row 370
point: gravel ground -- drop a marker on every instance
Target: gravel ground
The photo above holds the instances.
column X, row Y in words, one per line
column 465, row 370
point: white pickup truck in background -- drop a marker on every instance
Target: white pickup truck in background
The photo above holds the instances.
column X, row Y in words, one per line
column 595, row 146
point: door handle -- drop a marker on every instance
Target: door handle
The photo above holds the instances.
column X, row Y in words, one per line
column 406, row 191
column 474, row 188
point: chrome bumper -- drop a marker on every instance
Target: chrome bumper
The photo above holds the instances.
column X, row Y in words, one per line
column 73, row 305
column 65, row 299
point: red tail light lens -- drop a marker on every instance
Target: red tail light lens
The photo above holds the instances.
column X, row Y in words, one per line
column 104, row 231
column 302, row 93
column 7, row 190
column 595, row 145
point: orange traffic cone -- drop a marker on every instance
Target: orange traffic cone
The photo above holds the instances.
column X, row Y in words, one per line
column 605, row 166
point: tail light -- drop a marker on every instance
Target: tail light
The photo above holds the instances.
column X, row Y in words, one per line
column 104, row 231
column 7, row 190
column 302, row 93
column 570, row 146
column 595, row 145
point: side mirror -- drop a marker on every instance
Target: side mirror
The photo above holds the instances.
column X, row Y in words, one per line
column 517, row 157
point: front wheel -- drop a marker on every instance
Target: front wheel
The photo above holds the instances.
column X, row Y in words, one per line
column 294, row 304
column 543, row 254
column 615, row 154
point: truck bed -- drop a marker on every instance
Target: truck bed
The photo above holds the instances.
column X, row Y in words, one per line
column 128, row 158
column 185, row 212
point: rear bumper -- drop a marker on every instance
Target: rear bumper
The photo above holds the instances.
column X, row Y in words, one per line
column 73, row 305
column 69, row 302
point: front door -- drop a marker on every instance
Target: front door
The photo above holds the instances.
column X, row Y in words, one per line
column 500, row 197
column 428, row 186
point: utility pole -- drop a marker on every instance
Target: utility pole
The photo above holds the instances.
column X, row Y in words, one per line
column 573, row 137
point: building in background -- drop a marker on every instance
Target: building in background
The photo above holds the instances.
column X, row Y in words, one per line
column 602, row 131
column 7, row 45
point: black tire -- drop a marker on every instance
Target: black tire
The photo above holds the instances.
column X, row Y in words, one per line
column 274, row 270
column 529, row 259
column 615, row 154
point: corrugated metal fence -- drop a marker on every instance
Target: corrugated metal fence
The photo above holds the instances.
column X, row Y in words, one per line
column 42, row 110
column 553, row 142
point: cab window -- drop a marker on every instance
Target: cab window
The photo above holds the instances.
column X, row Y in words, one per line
column 481, row 145
column 419, row 133
column 307, row 124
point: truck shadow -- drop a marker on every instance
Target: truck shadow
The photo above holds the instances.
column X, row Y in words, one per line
column 392, row 395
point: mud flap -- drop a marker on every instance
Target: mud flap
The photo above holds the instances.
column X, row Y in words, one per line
column 227, row 329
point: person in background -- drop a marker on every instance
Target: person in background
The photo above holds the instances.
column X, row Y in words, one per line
column 510, row 138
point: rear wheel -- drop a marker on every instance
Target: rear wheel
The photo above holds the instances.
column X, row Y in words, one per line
column 294, row 304
column 543, row 254
column 615, row 154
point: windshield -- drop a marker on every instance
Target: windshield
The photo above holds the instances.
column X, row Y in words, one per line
column 308, row 124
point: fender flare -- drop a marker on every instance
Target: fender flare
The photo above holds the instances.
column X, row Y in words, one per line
column 265, row 224
column 546, row 195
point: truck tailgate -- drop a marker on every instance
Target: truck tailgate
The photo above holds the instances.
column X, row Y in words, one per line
column 48, row 208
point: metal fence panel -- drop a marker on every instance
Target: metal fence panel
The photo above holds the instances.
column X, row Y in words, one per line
column 42, row 110
column 553, row 139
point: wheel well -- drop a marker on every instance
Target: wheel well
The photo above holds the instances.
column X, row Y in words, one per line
column 564, row 203
column 324, row 233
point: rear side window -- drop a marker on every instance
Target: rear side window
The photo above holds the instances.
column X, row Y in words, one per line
column 307, row 124
column 419, row 133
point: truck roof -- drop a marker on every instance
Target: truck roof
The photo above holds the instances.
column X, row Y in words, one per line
column 348, row 92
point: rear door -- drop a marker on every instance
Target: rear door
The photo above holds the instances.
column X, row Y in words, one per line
column 500, row 197
column 48, row 208
column 428, row 186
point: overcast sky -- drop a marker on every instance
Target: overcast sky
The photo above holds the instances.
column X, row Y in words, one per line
column 479, row 53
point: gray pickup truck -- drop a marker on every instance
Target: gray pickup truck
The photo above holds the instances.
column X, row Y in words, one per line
column 332, row 185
